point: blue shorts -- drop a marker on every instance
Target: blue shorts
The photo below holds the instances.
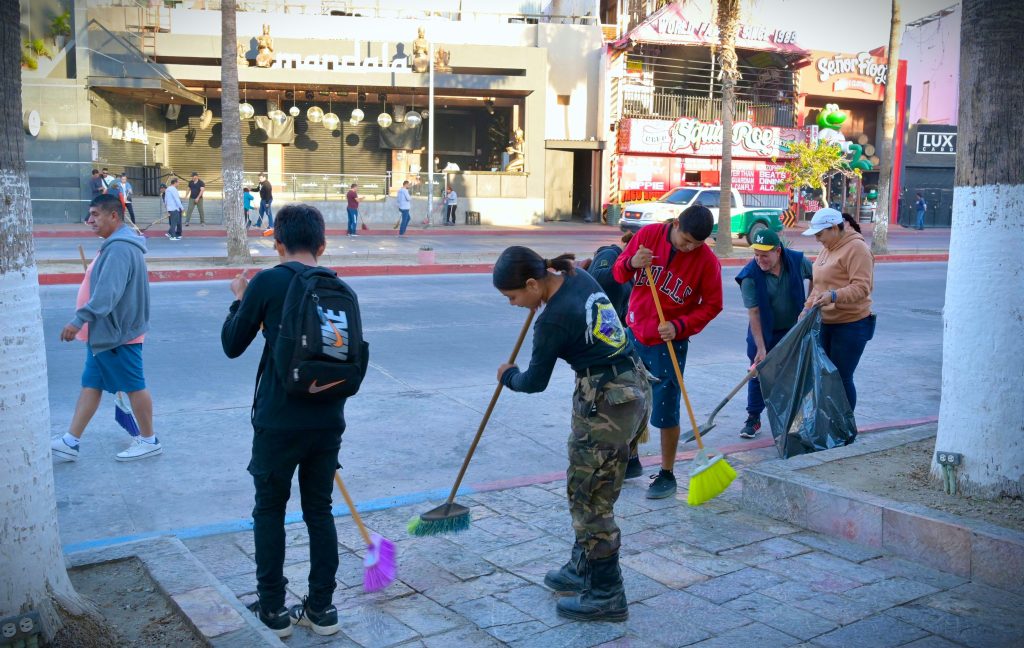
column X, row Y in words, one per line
column 664, row 392
column 119, row 369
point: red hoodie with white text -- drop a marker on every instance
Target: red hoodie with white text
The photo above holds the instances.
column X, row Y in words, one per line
column 689, row 286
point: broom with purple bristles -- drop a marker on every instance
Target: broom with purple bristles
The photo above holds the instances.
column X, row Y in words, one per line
column 379, row 568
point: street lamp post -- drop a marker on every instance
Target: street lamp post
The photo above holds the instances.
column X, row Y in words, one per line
column 430, row 141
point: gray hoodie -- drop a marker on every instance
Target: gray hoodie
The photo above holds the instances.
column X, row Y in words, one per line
column 118, row 306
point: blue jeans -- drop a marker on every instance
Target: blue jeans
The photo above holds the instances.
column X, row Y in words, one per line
column 755, row 401
column 405, row 221
column 265, row 208
column 920, row 220
column 353, row 215
column 844, row 344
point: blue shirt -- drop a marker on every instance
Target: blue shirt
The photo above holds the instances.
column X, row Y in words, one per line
column 404, row 199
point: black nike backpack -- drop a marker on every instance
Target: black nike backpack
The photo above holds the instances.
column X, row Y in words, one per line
column 320, row 353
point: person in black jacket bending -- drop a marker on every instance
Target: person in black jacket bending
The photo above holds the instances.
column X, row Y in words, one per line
column 289, row 433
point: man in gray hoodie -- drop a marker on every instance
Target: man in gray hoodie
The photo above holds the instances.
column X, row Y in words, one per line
column 113, row 315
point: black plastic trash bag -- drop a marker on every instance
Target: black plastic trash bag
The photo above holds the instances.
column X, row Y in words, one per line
column 803, row 393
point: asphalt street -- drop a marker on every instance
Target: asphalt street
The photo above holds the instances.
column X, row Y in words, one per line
column 436, row 342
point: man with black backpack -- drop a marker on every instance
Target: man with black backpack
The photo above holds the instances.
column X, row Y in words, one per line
column 313, row 359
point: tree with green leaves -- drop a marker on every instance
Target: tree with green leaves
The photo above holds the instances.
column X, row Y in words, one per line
column 814, row 165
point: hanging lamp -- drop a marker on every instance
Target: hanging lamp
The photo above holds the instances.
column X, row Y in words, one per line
column 331, row 121
column 384, row 119
column 245, row 109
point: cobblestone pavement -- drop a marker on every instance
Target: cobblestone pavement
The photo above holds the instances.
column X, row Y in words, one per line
column 709, row 577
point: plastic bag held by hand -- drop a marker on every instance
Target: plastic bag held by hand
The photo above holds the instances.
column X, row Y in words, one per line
column 803, row 393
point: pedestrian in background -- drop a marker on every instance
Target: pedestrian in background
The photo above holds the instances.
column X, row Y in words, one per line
column 247, row 200
column 196, row 189
column 920, row 206
column 451, row 202
column 773, row 292
column 688, row 276
column 108, row 180
column 610, row 406
column 844, row 276
column 266, row 200
column 404, row 205
column 353, row 209
column 112, row 318
column 289, row 433
column 172, row 202
column 125, row 192
column 96, row 185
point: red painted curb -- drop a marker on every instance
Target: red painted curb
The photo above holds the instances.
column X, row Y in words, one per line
column 653, row 460
column 217, row 274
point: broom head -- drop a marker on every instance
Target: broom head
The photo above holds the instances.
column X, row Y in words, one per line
column 268, row 232
column 708, row 478
column 379, row 568
column 124, row 416
column 447, row 518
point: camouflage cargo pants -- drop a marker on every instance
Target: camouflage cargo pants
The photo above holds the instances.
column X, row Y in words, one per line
column 606, row 426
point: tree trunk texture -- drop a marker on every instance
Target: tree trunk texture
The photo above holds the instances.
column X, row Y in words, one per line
column 880, row 238
column 982, row 410
column 728, row 25
column 231, row 147
column 32, row 572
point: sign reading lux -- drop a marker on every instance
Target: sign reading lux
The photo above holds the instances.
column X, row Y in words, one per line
column 941, row 143
column 353, row 62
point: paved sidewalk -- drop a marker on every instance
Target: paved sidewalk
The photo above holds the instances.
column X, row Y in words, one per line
column 713, row 576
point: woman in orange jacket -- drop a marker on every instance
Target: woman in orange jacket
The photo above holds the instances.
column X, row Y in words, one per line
column 844, row 276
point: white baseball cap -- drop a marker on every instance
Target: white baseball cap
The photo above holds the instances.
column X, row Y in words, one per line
column 822, row 220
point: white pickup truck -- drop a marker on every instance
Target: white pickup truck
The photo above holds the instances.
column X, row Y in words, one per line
column 746, row 221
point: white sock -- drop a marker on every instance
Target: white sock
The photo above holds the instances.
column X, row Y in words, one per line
column 150, row 440
column 70, row 440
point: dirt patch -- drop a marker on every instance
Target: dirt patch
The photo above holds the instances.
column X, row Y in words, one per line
column 133, row 606
column 902, row 474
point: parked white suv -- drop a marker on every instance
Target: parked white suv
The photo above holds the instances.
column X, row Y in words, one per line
column 745, row 220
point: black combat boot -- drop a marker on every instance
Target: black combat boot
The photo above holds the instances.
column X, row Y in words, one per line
column 603, row 597
column 568, row 578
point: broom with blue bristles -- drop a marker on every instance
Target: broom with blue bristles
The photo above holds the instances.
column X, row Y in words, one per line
column 451, row 517
column 709, row 477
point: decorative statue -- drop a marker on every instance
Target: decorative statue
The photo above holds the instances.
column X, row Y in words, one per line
column 517, row 158
column 265, row 48
column 830, row 120
column 441, row 58
column 242, row 49
column 420, row 53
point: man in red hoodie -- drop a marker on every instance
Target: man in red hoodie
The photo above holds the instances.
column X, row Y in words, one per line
column 688, row 277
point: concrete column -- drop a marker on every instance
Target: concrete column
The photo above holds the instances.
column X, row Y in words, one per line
column 275, row 168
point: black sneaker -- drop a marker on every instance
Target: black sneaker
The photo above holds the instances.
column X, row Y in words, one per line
column 324, row 622
column 664, row 485
column 278, row 622
column 634, row 468
column 751, row 427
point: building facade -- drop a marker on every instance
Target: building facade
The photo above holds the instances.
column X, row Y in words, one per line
column 137, row 87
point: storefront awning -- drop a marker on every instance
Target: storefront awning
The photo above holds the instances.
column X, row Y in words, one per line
column 148, row 90
column 690, row 23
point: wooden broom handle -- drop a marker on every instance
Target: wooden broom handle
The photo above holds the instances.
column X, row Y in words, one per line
column 675, row 362
column 490, row 408
column 81, row 253
column 352, row 508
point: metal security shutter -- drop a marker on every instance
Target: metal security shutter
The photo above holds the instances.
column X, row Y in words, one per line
column 110, row 111
column 361, row 152
column 316, row 149
column 192, row 149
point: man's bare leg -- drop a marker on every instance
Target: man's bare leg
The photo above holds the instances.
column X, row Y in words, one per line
column 142, row 406
column 669, row 446
column 85, row 408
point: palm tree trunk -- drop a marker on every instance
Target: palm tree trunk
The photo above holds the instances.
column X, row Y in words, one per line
column 880, row 238
column 982, row 409
column 728, row 25
column 231, row 146
column 32, row 576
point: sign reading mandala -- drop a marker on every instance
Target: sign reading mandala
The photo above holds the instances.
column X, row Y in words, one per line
column 688, row 136
column 354, row 62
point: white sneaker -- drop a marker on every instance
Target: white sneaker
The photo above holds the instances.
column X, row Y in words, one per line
column 139, row 449
column 62, row 451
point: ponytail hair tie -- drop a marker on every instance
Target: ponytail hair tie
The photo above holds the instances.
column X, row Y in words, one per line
column 547, row 263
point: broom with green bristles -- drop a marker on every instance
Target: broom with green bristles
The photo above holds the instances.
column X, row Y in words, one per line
column 709, row 477
column 451, row 517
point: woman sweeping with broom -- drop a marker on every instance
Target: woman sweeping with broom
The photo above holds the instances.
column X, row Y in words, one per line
column 610, row 406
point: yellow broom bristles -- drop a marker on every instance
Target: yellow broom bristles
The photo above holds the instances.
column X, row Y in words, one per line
column 645, row 436
column 708, row 480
